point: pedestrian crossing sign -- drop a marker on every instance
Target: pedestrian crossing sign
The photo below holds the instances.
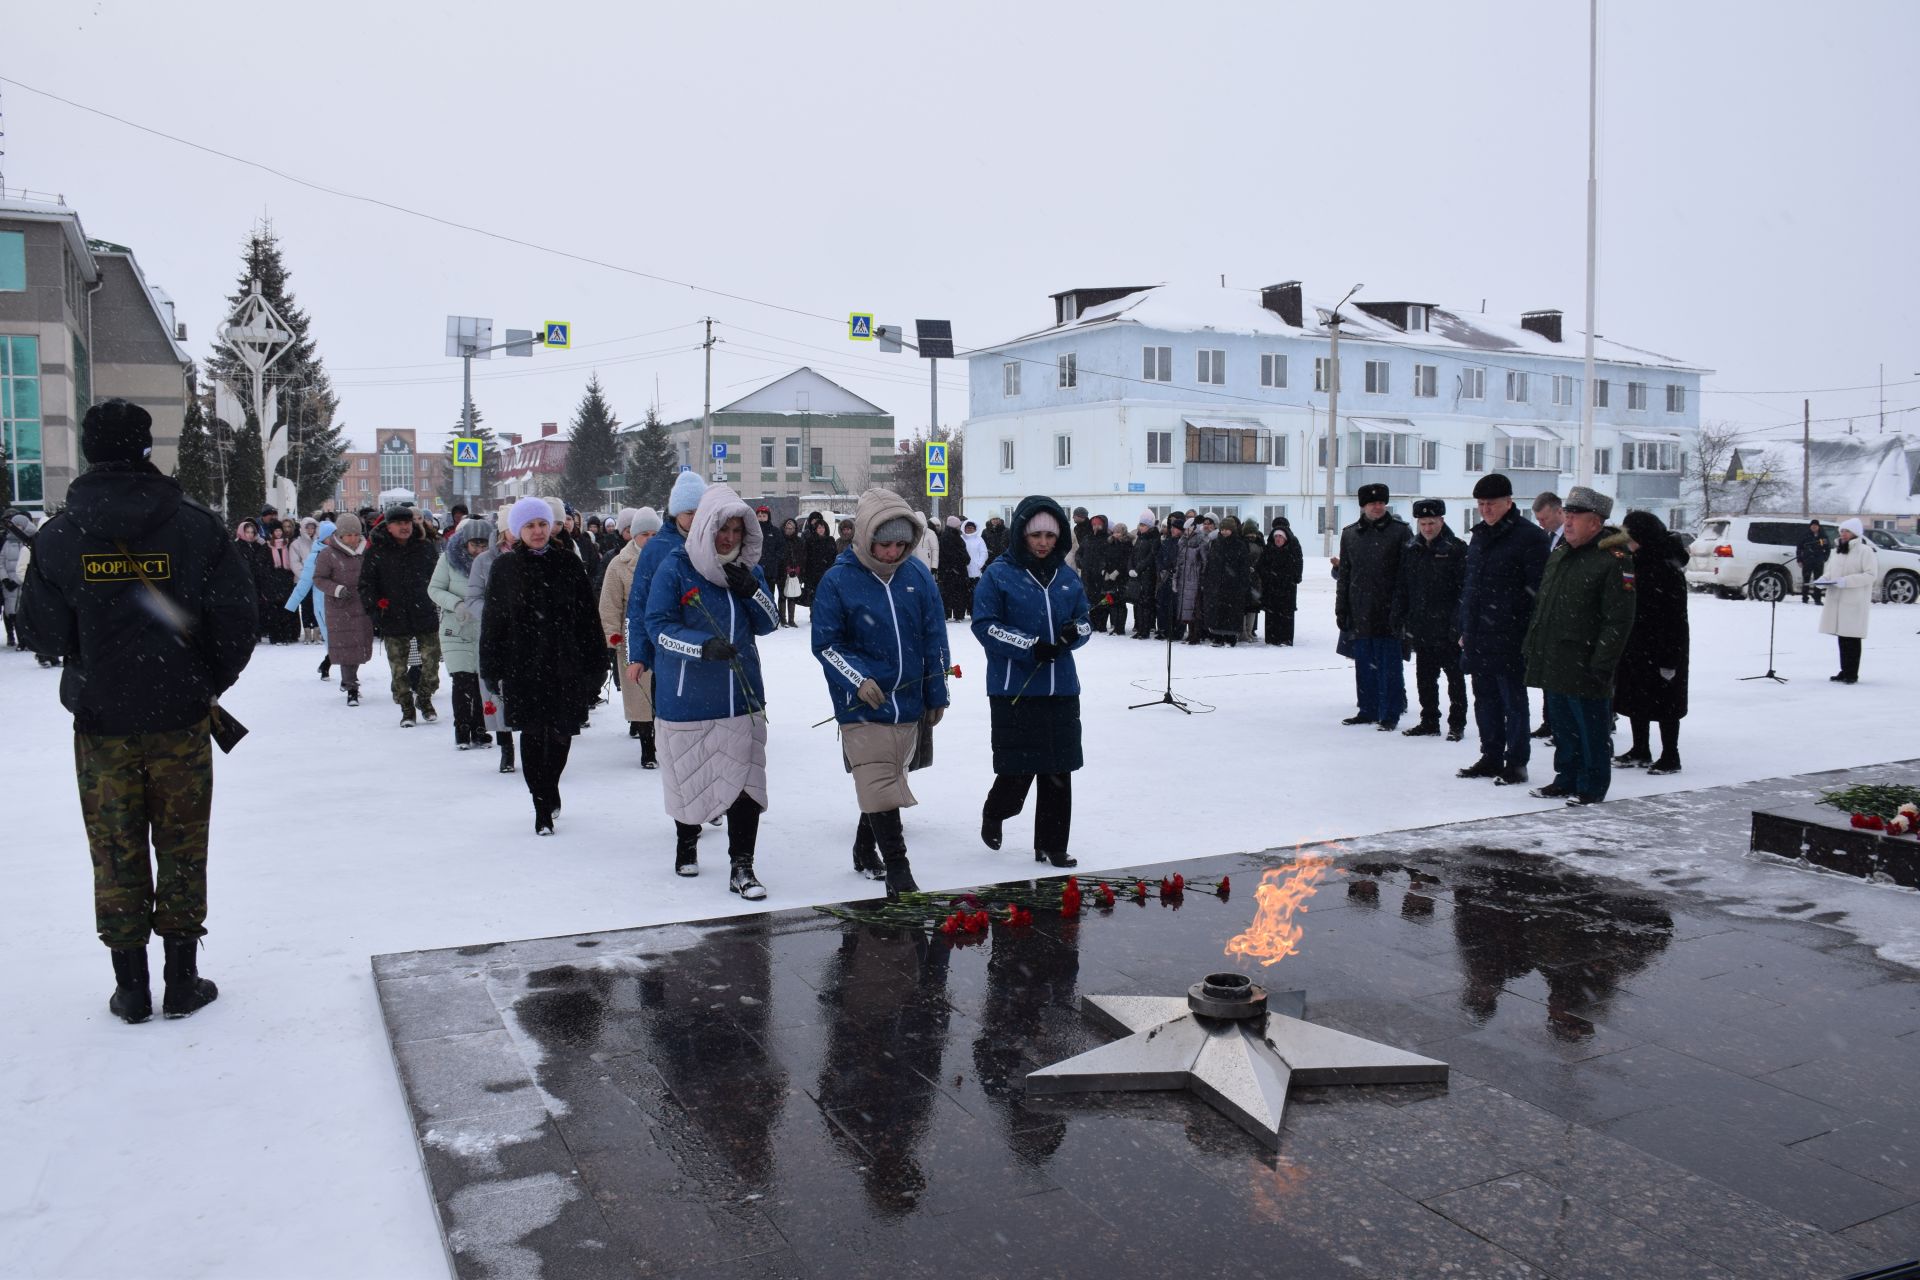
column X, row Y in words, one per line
column 936, row 457
column 936, row 484
column 559, row 333
column 466, row 451
column 860, row 326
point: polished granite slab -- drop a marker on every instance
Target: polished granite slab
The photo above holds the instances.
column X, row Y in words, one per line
column 1824, row 836
column 1643, row 1084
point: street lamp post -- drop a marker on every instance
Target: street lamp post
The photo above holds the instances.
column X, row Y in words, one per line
column 1333, row 418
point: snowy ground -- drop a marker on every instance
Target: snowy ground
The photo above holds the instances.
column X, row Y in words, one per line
column 266, row 1135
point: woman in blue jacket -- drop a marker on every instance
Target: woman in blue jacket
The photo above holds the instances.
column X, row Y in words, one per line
column 1030, row 613
column 705, row 605
column 880, row 632
column 303, row 590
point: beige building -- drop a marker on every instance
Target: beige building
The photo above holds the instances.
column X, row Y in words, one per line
column 800, row 434
column 78, row 323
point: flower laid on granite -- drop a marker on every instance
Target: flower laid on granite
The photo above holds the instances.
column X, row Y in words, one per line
column 1070, row 899
column 966, row 917
column 1882, row 802
column 1174, row 887
column 1226, row 886
column 1106, row 896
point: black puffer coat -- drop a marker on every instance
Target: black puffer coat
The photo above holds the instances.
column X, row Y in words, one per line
column 1369, row 571
column 396, row 575
column 540, row 641
column 1280, row 570
column 1426, row 602
column 1659, row 640
column 1224, row 582
column 1144, row 564
column 1504, row 563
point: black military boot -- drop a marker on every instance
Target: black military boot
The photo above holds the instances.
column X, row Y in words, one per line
column 1425, row 729
column 686, row 849
column 186, row 990
column 407, row 712
column 865, row 860
column 132, row 999
column 892, row 841
column 506, row 751
column 648, row 760
column 743, row 832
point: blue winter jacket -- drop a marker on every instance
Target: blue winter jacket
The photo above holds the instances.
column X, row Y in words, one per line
column 1017, row 606
column 652, row 556
column 305, row 584
column 893, row 632
column 685, row 685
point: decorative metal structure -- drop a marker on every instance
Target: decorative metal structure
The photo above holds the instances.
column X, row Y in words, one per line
column 260, row 337
column 1232, row 1044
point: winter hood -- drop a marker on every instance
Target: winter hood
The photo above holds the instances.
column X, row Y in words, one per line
column 718, row 505
column 877, row 506
column 120, row 501
column 1017, row 533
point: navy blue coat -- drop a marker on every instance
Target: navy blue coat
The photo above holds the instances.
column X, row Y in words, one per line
column 1017, row 605
column 652, row 556
column 892, row 632
column 685, row 685
column 1504, row 563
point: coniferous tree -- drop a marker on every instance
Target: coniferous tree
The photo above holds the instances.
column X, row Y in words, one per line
column 652, row 465
column 909, row 478
column 197, row 470
column 315, row 446
column 593, row 450
column 246, row 475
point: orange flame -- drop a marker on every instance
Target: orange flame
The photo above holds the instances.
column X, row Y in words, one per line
column 1273, row 936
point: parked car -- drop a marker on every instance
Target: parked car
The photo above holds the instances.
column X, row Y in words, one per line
column 1754, row 556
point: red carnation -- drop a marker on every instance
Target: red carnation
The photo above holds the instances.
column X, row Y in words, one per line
column 381, row 602
column 950, row 925
column 693, row 593
column 956, row 671
column 1139, row 890
column 1019, row 917
column 490, row 709
column 1226, row 886
column 613, row 639
column 980, row 920
column 1106, row 895
column 1070, row 899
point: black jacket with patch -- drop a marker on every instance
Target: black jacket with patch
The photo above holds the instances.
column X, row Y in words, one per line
column 393, row 583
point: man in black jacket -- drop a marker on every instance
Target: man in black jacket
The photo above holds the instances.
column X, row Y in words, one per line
column 1426, row 614
column 1812, row 554
column 1370, row 550
column 142, row 593
column 1504, row 563
column 393, row 590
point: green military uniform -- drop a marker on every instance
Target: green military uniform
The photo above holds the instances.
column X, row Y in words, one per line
column 133, row 787
column 1581, row 620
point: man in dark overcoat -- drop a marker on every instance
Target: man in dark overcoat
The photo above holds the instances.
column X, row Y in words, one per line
column 1426, row 615
column 1370, row 550
column 1504, row 562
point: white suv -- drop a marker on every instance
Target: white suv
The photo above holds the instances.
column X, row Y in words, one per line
column 1754, row 556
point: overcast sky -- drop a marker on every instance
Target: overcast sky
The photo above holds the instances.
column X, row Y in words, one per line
column 1758, row 189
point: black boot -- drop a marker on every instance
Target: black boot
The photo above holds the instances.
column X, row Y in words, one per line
column 892, row 841
column 989, row 830
column 633, row 728
column 743, row 831
column 132, row 999
column 1056, row 859
column 1669, row 762
column 648, row 760
column 686, row 849
column 186, row 990
column 1425, row 729
column 865, row 860
column 326, row 667
column 506, row 751
column 542, row 817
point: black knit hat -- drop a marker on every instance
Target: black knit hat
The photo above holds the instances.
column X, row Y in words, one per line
column 1492, row 485
column 116, row 431
column 1429, row 507
column 1372, row 493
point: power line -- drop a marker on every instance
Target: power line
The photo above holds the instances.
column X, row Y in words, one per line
column 578, row 346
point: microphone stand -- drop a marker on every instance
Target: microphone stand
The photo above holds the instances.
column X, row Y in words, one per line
column 1167, row 698
column 1773, row 613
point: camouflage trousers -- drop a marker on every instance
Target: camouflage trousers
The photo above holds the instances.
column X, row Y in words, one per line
column 397, row 650
column 146, row 799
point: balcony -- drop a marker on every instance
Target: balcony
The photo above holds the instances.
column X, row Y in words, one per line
column 1399, row 480
column 1637, row 488
column 1206, row 479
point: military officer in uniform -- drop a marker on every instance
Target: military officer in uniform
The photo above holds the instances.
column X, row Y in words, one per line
column 143, row 594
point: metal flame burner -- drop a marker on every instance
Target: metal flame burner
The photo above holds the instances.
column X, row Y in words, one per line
column 1231, row 1043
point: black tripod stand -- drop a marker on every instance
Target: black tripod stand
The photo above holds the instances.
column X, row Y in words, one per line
column 1773, row 612
column 1167, row 696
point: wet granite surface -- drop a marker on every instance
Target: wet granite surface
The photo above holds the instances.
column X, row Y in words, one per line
column 1643, row 1084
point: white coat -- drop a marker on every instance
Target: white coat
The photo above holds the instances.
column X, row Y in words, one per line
column 1845, row 610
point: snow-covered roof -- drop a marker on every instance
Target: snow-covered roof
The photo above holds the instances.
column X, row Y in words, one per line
column 1847, row 475
column 802, row 391
column 15, row 209
column 1181, row 308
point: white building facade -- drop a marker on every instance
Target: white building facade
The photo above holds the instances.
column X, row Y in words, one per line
column 1166, row 397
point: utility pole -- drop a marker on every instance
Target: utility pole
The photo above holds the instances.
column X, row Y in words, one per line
column 933, row 423
column 1806, row 459
column 1333, row 418
column 1583, row 465
column 706, row 411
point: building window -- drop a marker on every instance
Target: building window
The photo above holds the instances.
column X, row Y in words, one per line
column 1156, row 364
column 1010, row 378
column 1599, row 393
column 1429, row 455
column 1516, row 387
column 1006, row 455
column 766, row 453
column 1636, row 396
column 816, row 463
column 20, row 417
column 360, row 464
column 1377, row 377
column 1069, row 369
column 1279, row 452
column 1676, row 398
column 396, row 464
column 1273, row 369
column 1473, row 383
column 1386, row 449
column 1226, row 444
column 793, row 453
column 1272, row 514
column 1416, row 319
column 1159, row 448
column 1562, row 388
column 1426, row 381
column 1320, row 517
column 1476, row 457
column 1322, row 379
column 1212, row 367
column 1603, row 462
column 13, row 261
column 1063, row 449
column 1320, row 453
column 1650, row 455
column 1524, row 455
